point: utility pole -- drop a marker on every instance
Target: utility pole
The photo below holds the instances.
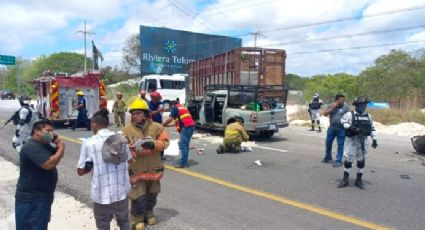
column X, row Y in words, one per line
column 256, row 34
column 85, row 34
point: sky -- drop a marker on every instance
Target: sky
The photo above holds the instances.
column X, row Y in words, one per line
column 319, row 36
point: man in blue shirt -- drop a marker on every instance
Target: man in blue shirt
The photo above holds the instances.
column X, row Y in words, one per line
column 156, row 107
column 82, row 112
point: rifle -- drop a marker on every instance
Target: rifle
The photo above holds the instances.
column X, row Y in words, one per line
column 7, row 122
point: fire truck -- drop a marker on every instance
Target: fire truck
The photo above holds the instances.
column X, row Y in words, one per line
column 56, row 94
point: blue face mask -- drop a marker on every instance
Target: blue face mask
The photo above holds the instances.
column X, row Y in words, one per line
column 361, row 108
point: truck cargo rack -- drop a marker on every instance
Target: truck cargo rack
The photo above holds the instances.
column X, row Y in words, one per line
column 246, row 87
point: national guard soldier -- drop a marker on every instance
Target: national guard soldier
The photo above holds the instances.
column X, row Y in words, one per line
column 314, row 109
column 147, row 139
column 26, row 117
column 358, row 125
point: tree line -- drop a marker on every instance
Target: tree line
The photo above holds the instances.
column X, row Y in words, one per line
column 398, row 75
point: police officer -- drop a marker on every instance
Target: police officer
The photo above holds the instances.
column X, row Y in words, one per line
column 146, row 168
column 358, row 125
column 82, row 112
column 27, row 117
column 314, row 109
column 119, row 109
column 233, row 136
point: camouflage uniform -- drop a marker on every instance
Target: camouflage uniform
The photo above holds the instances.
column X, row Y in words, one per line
column 147, row 167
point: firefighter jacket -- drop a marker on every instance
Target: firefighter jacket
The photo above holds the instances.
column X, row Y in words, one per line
column 235, row 133
column 119, row 106
column 147, row 168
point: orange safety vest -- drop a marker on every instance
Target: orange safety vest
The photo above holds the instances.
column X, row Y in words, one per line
column 184, row 118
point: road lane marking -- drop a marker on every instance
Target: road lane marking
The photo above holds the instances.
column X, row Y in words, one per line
column 268, row 148
column 270, row 196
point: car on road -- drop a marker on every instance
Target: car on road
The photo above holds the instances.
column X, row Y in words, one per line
column 7, row 95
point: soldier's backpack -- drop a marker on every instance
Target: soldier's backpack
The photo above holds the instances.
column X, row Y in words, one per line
column 16, row 118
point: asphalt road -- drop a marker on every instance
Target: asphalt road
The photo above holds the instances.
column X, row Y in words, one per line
column 291, row 190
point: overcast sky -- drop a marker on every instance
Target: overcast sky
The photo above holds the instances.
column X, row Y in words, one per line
column 30, row 28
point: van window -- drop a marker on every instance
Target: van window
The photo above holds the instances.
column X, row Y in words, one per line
column 151, row 84
column 172, row 84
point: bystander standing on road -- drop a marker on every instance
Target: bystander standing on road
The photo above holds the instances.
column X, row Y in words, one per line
column 107, row 157
column 335, row 111
column 38, row 177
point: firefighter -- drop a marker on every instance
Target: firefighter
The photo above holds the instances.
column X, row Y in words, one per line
column 82, row 112
column 233, row 136
column 146, row 169
column 185, row 126
column 358, row 125
column 119, row 108
column 27, row 117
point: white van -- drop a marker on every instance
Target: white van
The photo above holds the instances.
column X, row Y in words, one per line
column 170, row 87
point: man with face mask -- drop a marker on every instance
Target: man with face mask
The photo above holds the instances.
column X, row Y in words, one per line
column 37, row 177
column 147, row 139
column 82, row 117
column 358, row 125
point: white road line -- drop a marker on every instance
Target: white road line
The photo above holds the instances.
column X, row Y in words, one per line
column 273, row 149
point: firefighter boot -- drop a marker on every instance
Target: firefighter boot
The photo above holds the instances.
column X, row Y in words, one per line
column 137, row 222
column 344, row 182
column 150, row 218
column 359, row 183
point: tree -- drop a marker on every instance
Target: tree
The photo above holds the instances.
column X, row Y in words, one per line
column 131, row 54
column 330, row 85
column 295, row 82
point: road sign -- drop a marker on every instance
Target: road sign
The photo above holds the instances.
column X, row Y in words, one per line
column 7, row 60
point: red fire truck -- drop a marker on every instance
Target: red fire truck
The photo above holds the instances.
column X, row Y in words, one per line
column 56, row 94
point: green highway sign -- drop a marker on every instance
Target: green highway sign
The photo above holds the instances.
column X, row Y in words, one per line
column 7, row 60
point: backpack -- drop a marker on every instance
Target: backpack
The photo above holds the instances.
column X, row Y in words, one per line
column 16, row 118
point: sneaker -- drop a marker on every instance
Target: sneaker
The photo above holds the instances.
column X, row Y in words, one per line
column 179, row 166
column 325, row 161
column 337, row 164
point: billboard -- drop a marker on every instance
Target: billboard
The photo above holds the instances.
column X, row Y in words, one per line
column 168, row 51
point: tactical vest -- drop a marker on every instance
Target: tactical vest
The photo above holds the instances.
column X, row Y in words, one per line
column 315, row 105
column 361, row 121
column 184, row 118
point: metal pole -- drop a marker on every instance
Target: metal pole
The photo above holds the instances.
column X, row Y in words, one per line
column 17, row 78
column 85, row 50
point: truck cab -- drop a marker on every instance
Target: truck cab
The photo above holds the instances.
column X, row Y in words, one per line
column 170, row 87
column 263, row 108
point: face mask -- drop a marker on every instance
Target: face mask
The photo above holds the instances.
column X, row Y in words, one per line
column 47, row 137
column 360, row 108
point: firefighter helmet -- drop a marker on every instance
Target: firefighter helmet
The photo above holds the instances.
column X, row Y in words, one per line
column 138, row 104
column 80, row 93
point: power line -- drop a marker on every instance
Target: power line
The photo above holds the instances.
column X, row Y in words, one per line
column 190, row 15
column 357, row 47
column 344, row 19
column 348, row 35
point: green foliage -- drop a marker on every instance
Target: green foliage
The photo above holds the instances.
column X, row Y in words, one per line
column 295, row 82
column 128, row 91
column 115, row 75
column 330, row 85
column 394, row 116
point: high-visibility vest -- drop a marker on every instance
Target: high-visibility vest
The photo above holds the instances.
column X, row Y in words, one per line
column 184, row 118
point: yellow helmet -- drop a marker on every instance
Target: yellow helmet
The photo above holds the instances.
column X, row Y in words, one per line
column 80, row 93
column 138, row 104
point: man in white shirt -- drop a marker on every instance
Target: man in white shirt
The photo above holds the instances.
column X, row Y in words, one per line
column 110, row 181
